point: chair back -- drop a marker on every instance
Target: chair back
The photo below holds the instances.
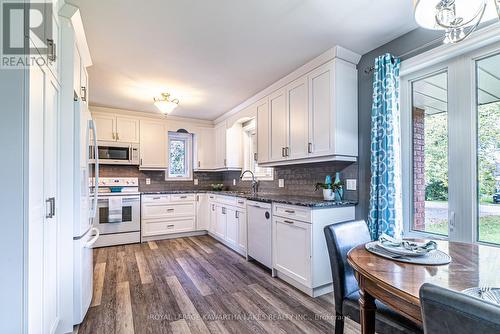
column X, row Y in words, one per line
column 446, row 311
column 340, row 239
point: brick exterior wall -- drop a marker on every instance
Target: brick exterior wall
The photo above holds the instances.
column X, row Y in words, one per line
column 419, row 168
column 299, row 179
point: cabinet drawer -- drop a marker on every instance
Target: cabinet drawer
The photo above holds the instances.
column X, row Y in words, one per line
column 160, row 226
column 292, row 212
column 183, row 197
column 168, row 210
column 158, row 199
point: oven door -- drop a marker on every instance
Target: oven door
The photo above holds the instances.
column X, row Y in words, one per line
column 131, row 220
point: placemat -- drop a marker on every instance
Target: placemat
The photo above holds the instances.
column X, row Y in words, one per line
column 433, row 258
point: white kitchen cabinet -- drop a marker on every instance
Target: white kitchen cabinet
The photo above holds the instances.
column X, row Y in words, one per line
column 205, row 146
column 112, row 127
column 202, row 212
column 105, row 125
column 300, row 254
column 232, row 233
column 241, row 217
column 212, row 217
column 220, row 221
column 278, row 123
column 77, row 64
column 127, row 129
column 292, row 245
column 220, row 146
column 297, row 103
column 263, row 131
column 153, row 145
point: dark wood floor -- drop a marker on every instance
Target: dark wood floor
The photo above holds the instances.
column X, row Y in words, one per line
column 196, row 285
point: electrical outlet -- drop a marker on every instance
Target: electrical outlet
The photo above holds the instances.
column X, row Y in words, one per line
column 195, row 182
column 148, row 181
column 350, row 184
column 234, row 182
column 281, row 183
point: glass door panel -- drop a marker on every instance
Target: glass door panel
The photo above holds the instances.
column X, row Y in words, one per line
column 488, row 149
column 430, row 154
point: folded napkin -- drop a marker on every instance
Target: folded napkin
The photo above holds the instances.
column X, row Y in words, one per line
column 416, row 247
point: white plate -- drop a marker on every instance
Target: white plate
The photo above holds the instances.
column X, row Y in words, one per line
column 399, row 250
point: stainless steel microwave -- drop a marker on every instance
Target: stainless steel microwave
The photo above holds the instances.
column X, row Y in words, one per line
column 113, row 153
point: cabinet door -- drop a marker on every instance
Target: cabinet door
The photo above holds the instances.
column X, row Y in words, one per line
column 53, row 60
column 220, row 146
column 84, row 85
column 292, row 249
column 232, row 227
column 153, row 145
column 263, row 130
column 213, row 218
column 321, row 110
column 205, row 142
column 202, row 212
column 242, row 230
column 297, row 108
column 77, row 63
column 220, row 222
column 234, row 147
column 127, row 129
column 279, row 125
column 105, row 125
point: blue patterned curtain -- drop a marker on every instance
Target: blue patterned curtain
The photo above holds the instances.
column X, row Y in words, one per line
column 385, row 188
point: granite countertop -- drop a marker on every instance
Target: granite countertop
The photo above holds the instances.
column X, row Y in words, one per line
column 308, row 201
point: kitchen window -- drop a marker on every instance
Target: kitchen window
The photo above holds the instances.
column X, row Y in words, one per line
column 250, row 154
column 450, row 115
column 180, row 156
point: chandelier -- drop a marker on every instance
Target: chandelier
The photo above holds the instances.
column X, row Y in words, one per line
column 165, row 103
column 458, row 18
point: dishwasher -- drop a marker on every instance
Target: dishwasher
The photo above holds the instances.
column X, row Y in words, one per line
column 259, row 232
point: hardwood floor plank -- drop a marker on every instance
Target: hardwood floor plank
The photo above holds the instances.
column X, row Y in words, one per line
column 195, row 322
column 201, row 245
column 121, row 270
column 143, row 268
column 152, row 245
column 180, row 327
column 197, row 281
column 99, row 271
column 124, row 319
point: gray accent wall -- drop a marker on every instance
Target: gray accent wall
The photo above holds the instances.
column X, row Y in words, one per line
column 418, row 40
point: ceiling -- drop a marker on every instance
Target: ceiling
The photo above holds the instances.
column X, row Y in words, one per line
column 213, row 55
column 431, row 93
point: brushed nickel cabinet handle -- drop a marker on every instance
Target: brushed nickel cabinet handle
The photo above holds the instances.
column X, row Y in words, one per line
column 117, row 136
column 84, row 93
column 199, row 163
column 288, row 221
column 287, row 151
column 51, row 46
column 170, row 210
column 282, row 152
column 290, row 211
column 309, row 148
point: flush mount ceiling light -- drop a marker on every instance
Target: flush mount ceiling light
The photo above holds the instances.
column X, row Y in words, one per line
column 458, row 18
column 166, row 103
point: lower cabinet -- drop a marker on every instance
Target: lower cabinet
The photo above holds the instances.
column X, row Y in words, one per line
column 220, row 222
column 300, row 254
column 202, row 212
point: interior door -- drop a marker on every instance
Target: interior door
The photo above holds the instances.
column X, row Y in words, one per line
column 279, row 121
column 298, row 116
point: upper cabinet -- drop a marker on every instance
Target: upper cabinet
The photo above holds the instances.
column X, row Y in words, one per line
column 312, row 119
column 205, row 145
column 112, row 127
column 153, row 145
column 228, row 147
column 263, row 131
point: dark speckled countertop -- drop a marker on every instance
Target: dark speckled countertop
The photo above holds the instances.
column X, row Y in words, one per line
column 312, row 202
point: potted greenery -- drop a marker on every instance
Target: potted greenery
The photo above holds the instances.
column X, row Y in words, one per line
column 330, row 190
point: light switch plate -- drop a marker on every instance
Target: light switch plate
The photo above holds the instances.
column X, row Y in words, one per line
column 350, row 184
column 148, row 181
column 234, row 182
column 195, row 182
column 281, row 183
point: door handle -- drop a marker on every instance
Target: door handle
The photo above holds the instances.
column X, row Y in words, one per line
column 51, row 209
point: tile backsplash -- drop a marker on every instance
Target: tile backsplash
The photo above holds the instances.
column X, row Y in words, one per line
column 299, row 179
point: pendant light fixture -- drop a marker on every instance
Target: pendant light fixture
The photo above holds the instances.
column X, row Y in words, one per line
column 457, row 18
column 165, row 103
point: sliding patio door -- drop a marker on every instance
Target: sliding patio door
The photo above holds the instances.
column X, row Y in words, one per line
column 451, row 149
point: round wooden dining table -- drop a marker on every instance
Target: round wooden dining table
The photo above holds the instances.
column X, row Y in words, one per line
column 397, row 284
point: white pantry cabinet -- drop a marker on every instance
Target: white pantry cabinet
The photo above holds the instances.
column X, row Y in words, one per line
column 153, row 145
column 112, row 127
column 300, row 254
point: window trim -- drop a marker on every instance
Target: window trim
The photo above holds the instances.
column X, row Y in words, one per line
column 188, row 137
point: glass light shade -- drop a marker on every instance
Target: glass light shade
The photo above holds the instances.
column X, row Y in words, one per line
column 165, row 107
column 425, row 12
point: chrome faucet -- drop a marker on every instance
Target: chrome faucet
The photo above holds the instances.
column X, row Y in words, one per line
column 255, row 183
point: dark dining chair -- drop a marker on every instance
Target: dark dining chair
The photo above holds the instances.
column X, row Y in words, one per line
column 340, row 239
column 450, row 312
